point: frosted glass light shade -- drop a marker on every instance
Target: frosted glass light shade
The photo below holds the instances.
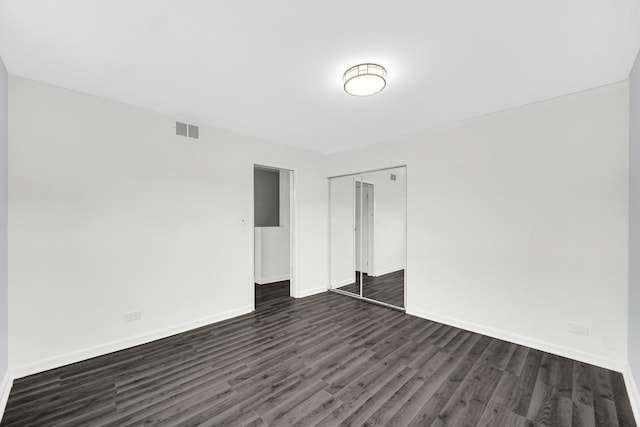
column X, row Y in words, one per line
column 365, row 79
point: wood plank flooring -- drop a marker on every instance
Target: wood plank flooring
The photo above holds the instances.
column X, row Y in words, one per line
column 387, row 288
column 323, row 360
column 271, row 294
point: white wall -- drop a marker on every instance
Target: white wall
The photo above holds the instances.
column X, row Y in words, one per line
column 4, row 307
column 517, row 221
column 634, row 230
column 110, row 212
column 272, row 262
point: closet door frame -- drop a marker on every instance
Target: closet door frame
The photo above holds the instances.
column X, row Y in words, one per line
column 359, row 177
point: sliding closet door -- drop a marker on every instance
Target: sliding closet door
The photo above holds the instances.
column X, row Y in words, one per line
column 383, row 235
column 344, row 251
column 367, row 217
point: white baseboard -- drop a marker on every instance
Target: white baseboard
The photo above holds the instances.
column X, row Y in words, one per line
column 99, row 350
column 343, row 282
column 388, row 271
column 309, row 292
column 633, row 391
column 5, row 389
column 272, row 280
column 593, row 359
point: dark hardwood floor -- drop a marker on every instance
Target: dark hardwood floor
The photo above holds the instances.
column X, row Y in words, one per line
column 388, row 288
column 323, row 360
column 272, row 294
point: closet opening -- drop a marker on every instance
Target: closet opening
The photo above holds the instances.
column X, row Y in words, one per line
column 367, row 235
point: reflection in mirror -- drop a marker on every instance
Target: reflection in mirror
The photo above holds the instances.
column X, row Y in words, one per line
column 357, row 203
column 383, row 236
column 342, row 226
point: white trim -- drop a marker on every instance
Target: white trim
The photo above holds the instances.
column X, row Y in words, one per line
column 633, row 391
column 272, row 280
column 329, row 263
column 257, row 255
column 593, row 359
column 5, row 389
column 388, row 271
column 343, row 282
column 310, row 292
column 102, row 349
column 293, row 235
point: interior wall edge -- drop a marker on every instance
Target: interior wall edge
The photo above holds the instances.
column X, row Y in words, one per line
column 633, row 290
column 546, row 346
column 5, row 381
column 132, row 238
column 100, row 350
column 632, row 390
column 5, row 389
column 473, row 234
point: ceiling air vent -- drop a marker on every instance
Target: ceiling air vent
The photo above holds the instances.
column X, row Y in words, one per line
column 185, row 129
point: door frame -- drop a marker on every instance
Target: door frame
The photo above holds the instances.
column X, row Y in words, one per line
column 293, row 234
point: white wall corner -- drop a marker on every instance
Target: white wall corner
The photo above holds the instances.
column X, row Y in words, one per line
column 100, row 350
column 5, row 388
column 593, row 359
column 633, row 391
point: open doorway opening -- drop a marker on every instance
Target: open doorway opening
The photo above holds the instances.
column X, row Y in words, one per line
column 273, row 236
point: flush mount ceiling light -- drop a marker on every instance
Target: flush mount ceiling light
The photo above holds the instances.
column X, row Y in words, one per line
column 365, row 79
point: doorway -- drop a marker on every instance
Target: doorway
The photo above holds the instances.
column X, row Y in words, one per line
column 273, row 279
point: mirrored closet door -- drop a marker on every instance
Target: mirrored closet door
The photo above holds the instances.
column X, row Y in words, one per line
column 344, row 276
column 368, row 235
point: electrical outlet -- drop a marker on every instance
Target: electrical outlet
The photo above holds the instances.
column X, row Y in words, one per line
column 578, row 328
column 132, row 316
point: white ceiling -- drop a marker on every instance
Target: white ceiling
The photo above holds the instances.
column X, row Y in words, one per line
column 273, row 69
